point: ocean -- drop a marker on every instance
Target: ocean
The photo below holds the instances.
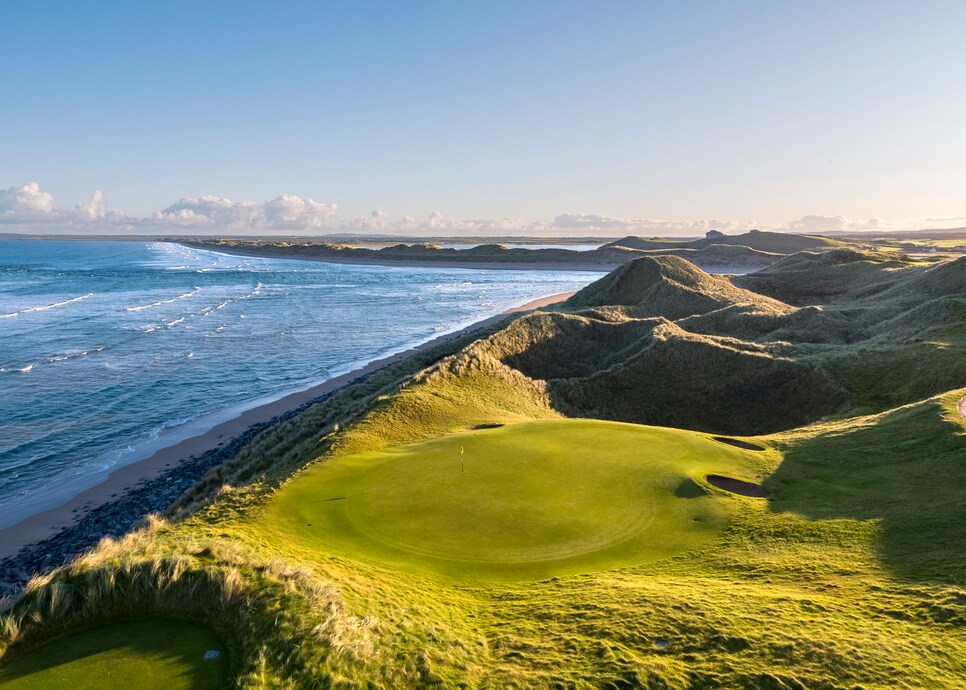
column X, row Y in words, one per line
column 110, row 350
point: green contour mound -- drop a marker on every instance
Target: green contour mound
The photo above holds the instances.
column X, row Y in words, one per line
column 523, row 501
column 145, row 654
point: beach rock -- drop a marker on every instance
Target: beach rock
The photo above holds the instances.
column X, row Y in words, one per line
column 119, row 515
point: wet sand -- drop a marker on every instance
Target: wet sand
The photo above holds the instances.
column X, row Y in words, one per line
column 45, row 524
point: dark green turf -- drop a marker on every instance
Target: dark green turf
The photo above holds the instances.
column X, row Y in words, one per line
column 137, row 655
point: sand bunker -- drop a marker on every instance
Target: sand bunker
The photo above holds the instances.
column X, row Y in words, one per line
column 744, row 445
column 736, row 486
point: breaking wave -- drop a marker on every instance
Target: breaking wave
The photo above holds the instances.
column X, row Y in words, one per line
column 46, row 306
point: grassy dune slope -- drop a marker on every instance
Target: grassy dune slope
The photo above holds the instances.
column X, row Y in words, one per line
column 720, row 385
column 850, row 573
column 813, row 587
column 904, row 469
column 666, row 286
column 819, row 278
column 868, row 333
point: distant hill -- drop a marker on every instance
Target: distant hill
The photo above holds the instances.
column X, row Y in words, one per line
column 666, row 286
column 759, row 240
column 634, row 242
column 659, row 341
column 711, row 255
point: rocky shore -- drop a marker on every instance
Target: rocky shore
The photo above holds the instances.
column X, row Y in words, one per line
column 117, row 517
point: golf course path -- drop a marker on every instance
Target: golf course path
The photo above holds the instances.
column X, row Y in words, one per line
column 961, row 406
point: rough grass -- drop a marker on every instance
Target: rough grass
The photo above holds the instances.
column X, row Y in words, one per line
column 257, row 605
column 904, row 469
column 807, row 589
column 669, row 287
column 660, row 342
column 820, row 278
column 781, row 599
column 720, row 385
column 461, row 391
column 149, row 654
column 849, row 575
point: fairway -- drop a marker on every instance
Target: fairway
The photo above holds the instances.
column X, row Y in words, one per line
column 147, row 654
column 523, row 501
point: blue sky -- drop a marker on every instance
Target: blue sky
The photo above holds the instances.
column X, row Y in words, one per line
column 677, row 114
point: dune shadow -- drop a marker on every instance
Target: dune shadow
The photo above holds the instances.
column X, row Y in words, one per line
column 744, row 445
column 736, row 486
column 688, row 488
column 156, row 638
column 907, row 470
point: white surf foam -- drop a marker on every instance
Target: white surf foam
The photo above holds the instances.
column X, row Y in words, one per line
column 164, row 301
column 46, row 306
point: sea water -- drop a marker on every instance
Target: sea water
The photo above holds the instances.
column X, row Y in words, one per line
column 109, row 350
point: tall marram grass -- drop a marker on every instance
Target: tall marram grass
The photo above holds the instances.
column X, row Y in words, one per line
column 289, row 444
column 257, row 607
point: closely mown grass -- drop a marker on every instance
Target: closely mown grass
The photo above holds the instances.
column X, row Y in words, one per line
column 148, row 654
column 524, row 501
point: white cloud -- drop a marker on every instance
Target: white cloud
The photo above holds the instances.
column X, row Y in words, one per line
column 439, row 224
column 596, row 224
column 31, row 210
column 286, row 212
column 818, row 224
column 26, row 202
column 951, row 219
column 376, row 222
column 97, row 210
column 436, row 224
column 28, row 209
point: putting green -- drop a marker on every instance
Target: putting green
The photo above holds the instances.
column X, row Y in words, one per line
column 145, row 654
column 524, row 501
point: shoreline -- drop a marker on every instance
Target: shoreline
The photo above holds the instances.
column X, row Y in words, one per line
column 411, row 263
column 722, row 269
column 165, row 463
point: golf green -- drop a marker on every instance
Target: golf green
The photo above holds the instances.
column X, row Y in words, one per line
column 523, row 501
column 145, row 654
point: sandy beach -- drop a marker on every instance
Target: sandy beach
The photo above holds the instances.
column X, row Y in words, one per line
column 45, row 524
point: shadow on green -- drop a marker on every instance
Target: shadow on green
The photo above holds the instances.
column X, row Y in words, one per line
column 905, row 468
column 146, row 654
